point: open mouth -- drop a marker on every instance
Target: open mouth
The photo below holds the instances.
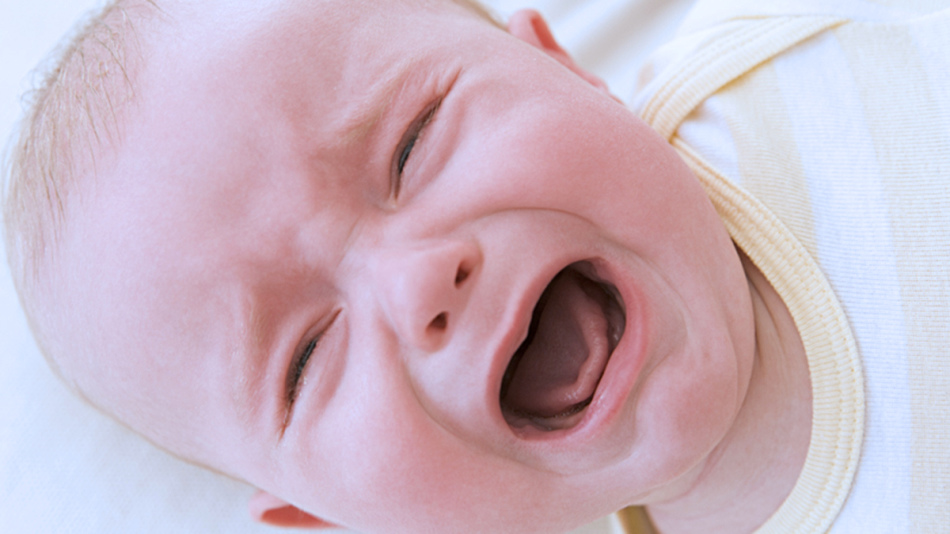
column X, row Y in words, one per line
column 575, row 327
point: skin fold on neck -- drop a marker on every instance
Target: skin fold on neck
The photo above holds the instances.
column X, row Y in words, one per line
column 754, row 469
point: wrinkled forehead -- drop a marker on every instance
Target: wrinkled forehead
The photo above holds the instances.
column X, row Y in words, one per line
column 352, row 32
column 320, row 66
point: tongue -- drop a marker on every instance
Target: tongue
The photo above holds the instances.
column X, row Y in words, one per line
column 563, row 362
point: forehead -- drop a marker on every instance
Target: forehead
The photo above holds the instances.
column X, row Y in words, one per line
column 286, row 73
column 344, row 36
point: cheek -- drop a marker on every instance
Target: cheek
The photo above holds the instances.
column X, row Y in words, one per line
column 383, row 473
column 685, row 409
column 380, row 464
column 372, row 460
column 596, row 161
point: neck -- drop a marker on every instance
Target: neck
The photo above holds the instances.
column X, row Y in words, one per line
column 751, row 472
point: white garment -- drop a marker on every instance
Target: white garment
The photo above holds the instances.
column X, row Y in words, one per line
column 835, row 121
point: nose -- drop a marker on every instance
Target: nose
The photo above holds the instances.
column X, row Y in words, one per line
column 425, row 287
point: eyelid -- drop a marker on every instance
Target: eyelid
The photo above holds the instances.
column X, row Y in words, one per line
column 407, row 143
column 298, row 366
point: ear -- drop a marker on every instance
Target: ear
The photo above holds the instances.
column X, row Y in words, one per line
column 529, row 26
column 270, row 510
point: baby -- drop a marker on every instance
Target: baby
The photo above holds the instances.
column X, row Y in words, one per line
column 403, row 270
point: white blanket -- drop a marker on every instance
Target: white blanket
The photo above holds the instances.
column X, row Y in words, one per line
column 66, row 468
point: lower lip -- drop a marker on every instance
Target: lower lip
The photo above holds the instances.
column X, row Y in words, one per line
column 620, row 374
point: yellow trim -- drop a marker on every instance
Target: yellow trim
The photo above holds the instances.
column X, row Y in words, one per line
column 633, row 520
column 736, row 47
column 833, row 359
column 728, row 52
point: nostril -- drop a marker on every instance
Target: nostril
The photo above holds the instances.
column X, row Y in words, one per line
column 462, row 274
column 440, row 322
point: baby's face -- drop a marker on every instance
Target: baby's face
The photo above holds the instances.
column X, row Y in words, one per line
column 326, row 260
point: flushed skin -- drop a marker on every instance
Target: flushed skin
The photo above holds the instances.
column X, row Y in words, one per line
column 251, row 206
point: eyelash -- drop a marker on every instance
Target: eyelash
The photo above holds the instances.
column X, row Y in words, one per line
column 299, row 365
column 408, row 143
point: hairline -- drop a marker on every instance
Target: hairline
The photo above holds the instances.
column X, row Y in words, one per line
column 73, row 115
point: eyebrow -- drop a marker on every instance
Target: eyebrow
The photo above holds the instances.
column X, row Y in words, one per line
column 357, row 125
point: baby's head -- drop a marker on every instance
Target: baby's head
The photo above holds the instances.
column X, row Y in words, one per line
column 385, row 260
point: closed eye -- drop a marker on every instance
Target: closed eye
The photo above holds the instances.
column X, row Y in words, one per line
column 298, row 365
column 406, row 144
